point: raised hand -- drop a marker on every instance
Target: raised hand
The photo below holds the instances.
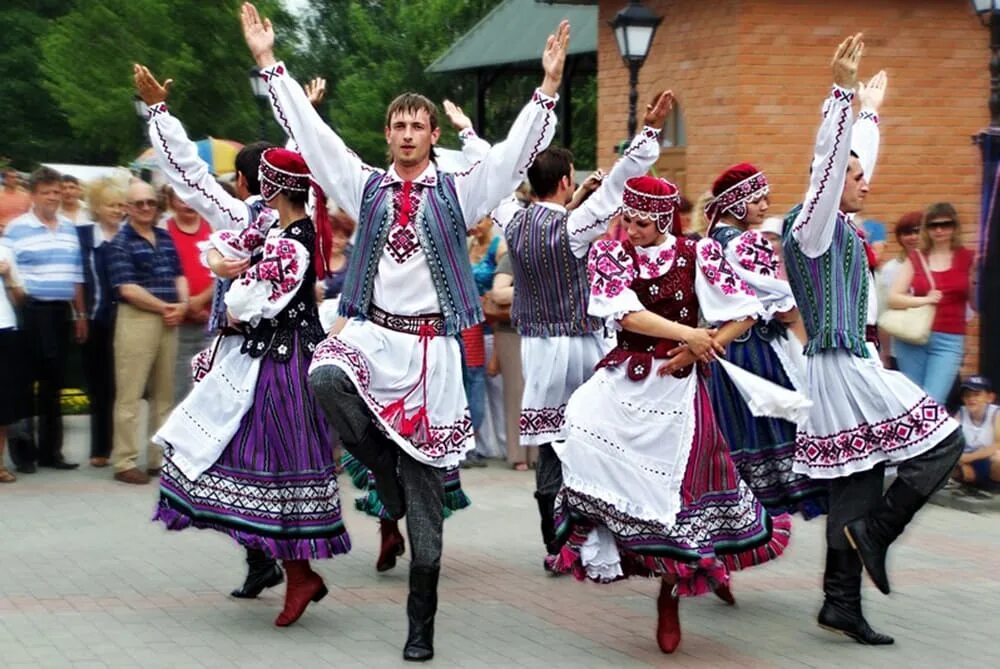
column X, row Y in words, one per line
column 593, row 181
column 657, row 110
column 259, row 35
column 845, row 61
column 456, row 116
column 316, row 91
column 872, row 94
column 150, row 90
column 554, row 58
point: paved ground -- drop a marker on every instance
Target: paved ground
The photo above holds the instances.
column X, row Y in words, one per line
column 87, row 581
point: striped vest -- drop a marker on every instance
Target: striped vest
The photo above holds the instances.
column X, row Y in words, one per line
column 441, row 231
column 550, row 283
column 831, row 290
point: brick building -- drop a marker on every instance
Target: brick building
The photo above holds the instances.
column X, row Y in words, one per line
column 750, row 76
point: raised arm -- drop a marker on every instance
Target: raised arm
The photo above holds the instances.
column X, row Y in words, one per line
column 590, row 220
column 485, row 184
column 337, row 169
column 814, row 226
column 865, row 135
column 474, row 147
column 178, row 158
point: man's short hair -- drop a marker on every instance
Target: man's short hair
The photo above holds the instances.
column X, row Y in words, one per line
column 248, row 164
column 70, row 179
column 42, row 177
column 412, row 102
column 550, row 166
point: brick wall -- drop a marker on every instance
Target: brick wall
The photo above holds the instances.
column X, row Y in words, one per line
column 751, row 75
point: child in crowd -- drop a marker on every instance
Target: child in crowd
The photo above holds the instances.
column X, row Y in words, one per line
column 979, row 465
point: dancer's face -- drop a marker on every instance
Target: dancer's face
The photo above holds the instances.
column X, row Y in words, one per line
column 410, row 138
column 855, row 188
column 641, row 231
column 756, row 212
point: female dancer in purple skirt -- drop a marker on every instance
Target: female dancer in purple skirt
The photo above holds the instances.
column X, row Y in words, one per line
column 248, row 450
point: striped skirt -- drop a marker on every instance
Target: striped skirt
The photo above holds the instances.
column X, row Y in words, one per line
column 274, row 487
column 763, row 449
column 701, row 522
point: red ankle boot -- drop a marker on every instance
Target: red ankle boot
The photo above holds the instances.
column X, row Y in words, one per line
column 668, row 626
column 723, row 592
column 393, row 545
column 304, row 586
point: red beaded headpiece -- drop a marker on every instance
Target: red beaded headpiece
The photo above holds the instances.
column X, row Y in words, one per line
column 733, row 190
column 651, row 198
column 281, row 169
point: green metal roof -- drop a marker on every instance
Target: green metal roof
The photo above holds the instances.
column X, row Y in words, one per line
column 514, row 32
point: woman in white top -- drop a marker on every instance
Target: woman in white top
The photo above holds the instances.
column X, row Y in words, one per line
column 14, row 396
column 908, row 237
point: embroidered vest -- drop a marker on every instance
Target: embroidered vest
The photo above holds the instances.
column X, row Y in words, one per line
column 831, row 290
column 276, row 336
column 671, row 296
column 217, row 318
column 766, row 330
column 441, row 231
column 551, row 287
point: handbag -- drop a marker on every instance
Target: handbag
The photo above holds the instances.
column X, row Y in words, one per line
column 912, row 325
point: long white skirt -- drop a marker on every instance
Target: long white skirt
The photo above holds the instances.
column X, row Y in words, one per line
column 385, row 366
column 553, row 368
column 864, row 414
column 202, row 425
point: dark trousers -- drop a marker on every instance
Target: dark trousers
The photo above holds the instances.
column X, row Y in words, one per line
column 47, row 330
column 423, row 485
column 854, row 496
column 99, row 371
column 548, row 471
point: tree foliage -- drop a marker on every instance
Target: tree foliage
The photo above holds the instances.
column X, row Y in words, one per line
column 179, row 39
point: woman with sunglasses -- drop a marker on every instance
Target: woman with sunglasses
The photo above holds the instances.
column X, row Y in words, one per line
column 935, row 365
column 907, row 234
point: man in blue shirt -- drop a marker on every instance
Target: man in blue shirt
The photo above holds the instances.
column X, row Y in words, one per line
column 47, row 253
column 152, row 300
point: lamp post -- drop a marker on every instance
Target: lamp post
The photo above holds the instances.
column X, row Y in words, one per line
column 259, row 88
column 989, row 242
column 634, row 28
column 142, row 111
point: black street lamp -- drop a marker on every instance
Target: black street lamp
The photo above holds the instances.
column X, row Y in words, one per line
column 142, row 111
column 259, row 88
column 989, row 144
column 634, row 28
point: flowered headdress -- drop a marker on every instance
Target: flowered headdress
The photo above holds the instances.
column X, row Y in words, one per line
column 734, row 190
column 652, row 198
column 284, row 170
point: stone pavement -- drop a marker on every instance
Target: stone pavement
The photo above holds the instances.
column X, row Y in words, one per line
column 87, row 581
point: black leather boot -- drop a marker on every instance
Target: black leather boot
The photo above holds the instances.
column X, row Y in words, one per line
column 872, row 534
column 546, row 514
column 421, row 606
column 841, row 610
column 380, row 454
column 262, row 572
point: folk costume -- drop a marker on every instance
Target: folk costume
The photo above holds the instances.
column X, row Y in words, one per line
column 560, row 343
column 762, row 448
column 864, row 416
column 649, row 486
column 260, row 466
column 192, row 180
column 391, row 381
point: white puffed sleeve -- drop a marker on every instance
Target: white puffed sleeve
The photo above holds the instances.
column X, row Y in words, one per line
column 611, row 271
column 265, row 289
column 723, row 294
column 756, row 262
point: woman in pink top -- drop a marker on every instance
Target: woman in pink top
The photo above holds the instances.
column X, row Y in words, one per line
column 935, row 365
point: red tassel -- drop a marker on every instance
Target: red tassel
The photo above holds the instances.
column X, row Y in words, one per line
column 395, row 415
